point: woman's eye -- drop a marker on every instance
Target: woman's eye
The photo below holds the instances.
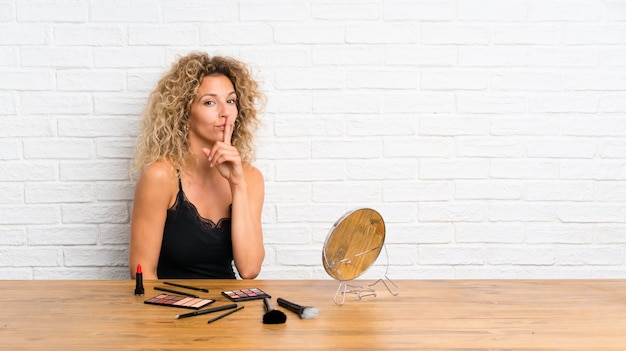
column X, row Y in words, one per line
column 209, row 102
column 232, row 101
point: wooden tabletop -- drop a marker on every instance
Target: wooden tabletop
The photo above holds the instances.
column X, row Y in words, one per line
column 430, row 314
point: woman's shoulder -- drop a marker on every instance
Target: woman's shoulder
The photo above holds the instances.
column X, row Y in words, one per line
column 252, row 172
column 157, row 185
column 160, row 172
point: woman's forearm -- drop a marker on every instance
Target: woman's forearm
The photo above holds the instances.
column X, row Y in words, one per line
column 246, row 231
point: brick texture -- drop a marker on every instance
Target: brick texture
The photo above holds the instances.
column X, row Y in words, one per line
column 491, row 135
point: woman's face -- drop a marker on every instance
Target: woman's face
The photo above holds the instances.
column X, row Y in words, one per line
column 213, row 108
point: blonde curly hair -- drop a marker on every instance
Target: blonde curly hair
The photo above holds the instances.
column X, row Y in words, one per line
column 164, row 123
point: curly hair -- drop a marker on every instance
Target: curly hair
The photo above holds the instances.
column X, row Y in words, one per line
column 164, row 122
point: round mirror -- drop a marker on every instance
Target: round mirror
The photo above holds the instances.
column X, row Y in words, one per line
column 353, row 244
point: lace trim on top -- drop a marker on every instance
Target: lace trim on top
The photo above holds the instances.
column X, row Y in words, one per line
column 197, row 218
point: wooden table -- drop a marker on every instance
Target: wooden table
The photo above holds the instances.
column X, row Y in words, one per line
column 432, row 314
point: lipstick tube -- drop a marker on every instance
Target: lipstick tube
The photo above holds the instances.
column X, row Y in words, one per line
column 139, row 291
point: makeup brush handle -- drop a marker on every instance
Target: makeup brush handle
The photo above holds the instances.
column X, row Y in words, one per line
column 293, row 307
column 268, row 304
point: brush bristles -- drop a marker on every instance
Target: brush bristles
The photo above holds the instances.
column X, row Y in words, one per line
column 305, row 312
column 308, row 313
column 274, row 317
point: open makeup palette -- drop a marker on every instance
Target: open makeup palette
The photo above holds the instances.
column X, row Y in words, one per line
column 179, row 301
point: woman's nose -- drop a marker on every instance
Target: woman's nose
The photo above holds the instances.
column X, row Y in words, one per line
column 225, row 110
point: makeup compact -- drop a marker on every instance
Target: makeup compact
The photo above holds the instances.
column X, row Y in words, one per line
column 246, row 294
column 179, row 301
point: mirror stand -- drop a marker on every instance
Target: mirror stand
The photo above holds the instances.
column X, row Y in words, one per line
column 345, row 288
column 361, row 292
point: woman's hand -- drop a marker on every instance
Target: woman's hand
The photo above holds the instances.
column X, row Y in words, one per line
column 226, row 158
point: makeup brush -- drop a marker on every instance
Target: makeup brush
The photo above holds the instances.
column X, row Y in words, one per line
column 271, row 315
column 305, row 312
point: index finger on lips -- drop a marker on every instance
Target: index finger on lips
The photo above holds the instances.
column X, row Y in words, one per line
column 228, row 133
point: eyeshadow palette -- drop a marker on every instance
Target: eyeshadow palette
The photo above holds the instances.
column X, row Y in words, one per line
column 245, row 294
column 178, row 301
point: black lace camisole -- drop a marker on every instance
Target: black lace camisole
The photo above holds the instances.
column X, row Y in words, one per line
column 193, row 246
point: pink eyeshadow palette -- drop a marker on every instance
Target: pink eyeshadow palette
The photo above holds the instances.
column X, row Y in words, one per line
column 178, row 301
column 245, row 294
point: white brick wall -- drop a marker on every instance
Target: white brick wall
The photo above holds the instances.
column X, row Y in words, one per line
column 491, row 135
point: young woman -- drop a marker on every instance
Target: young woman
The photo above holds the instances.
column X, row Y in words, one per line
column 198, row 199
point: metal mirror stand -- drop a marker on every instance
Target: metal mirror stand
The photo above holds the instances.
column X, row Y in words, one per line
column 361, row 291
